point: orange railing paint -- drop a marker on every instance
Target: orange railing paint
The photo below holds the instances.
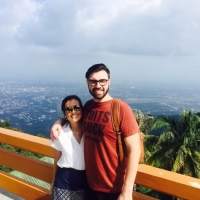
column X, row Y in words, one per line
column 158, row 179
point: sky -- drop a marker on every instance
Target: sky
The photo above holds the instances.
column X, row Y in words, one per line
column 138, row 40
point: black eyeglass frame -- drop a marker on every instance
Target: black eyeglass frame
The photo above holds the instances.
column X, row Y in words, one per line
column 102, row 82
column 76, row 108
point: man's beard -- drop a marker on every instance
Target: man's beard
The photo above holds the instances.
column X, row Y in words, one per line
column 96, row 96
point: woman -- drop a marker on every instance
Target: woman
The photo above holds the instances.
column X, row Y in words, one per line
column 69, row 180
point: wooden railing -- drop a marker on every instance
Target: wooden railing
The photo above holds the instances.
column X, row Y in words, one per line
column 161, row 180
column 24, row 164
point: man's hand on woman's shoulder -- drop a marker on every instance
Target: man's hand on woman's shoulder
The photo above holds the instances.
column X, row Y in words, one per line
column 55, row 130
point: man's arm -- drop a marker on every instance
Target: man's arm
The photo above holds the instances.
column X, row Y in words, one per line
column 133, row 148
column 55, row 130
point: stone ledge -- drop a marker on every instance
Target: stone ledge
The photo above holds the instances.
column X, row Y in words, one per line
column 5, row 195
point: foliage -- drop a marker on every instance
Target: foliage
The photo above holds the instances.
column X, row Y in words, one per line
column 42, row 136
column 145, row 121
column 5, row 124
column 153, row 193
column 177, row 148
column 5, row 169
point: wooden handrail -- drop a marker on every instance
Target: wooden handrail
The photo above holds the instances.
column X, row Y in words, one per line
column 27, row 165
column 26, row 141
column 30, row 166
column 158, row 179
column 171, row 183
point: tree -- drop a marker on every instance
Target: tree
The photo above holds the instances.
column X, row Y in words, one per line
column 145, row 121
column 177, row 148
column 5, row 124
column 146, row 124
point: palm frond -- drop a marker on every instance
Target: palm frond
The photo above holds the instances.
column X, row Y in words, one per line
column 196, row 166
column 196, row 155
column 145, row 121
column 179, row 161
column 166, row 138
column 162, row 157
column 178, row 146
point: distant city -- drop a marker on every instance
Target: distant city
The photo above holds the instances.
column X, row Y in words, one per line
column 33, row 106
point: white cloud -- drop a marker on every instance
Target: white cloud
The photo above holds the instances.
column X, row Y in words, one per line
column 13, row 13
column 54, row 33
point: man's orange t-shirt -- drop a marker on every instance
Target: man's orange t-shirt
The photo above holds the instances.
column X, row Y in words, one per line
column 103, row 171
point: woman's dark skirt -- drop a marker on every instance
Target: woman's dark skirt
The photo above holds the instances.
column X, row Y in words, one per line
column 69, row 184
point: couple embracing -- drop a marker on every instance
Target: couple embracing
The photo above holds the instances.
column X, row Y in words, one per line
column 85, row 143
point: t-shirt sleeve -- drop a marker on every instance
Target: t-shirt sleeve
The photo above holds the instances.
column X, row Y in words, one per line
column 129, row 125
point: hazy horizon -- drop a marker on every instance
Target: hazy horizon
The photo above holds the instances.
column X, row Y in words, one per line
column 33, row 106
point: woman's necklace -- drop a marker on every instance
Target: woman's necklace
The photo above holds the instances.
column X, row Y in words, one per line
column 75, row 132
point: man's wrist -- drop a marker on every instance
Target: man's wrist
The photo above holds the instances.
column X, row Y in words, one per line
column 58, row 122
column 128, row 188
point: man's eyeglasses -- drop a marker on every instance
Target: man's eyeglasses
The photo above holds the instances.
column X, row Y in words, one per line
column 102, row 82
column 76, row 108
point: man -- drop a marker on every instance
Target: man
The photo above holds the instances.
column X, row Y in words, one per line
column 107, row 178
